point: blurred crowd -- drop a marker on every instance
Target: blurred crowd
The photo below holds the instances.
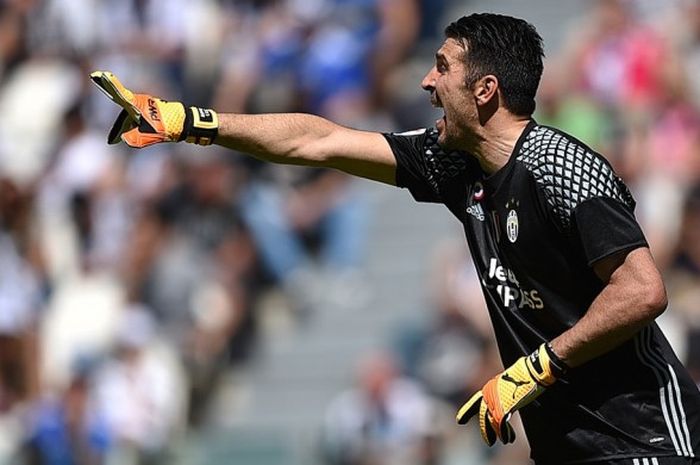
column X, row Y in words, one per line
column 131, row 282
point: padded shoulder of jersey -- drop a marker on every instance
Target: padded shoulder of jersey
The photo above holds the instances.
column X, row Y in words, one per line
column 569, row 172
column 441, row 165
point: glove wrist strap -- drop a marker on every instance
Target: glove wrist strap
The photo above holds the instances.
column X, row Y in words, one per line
column 558, row 366
column 542, row 368
column 201, row 126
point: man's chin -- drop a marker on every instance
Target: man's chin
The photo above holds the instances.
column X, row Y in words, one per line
column 448, row 140
column 444, row 140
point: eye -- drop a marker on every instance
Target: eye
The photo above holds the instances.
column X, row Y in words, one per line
column 441, row 67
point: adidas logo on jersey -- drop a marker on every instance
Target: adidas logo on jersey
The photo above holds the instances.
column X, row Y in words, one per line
column 476, row 211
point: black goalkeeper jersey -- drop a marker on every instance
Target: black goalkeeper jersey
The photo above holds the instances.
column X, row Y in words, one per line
column 534, row 229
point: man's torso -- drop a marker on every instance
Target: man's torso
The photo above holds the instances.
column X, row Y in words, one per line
column 534, row 228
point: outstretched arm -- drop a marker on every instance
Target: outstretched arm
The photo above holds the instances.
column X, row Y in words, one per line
column 303, row 139
column 295, row 138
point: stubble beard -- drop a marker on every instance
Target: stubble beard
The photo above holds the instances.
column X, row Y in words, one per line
column 448, row 138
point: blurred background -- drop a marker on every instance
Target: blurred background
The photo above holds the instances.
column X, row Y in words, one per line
column 181, row 305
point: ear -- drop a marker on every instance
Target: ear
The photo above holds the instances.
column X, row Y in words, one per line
column 485, row 89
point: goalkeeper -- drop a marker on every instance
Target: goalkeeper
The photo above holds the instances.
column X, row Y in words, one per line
column 570, row 284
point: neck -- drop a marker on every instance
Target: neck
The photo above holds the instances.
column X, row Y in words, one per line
column 493, row 143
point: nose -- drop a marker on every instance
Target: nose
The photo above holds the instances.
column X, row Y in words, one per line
column 428, row 82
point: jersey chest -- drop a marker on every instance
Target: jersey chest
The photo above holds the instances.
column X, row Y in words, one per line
column 511, row 221
column 511, row 240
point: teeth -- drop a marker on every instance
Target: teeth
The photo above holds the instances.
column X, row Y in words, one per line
column 435, row 101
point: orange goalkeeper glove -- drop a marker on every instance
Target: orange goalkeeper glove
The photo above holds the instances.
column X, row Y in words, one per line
column 509, row 391
column 146, row 120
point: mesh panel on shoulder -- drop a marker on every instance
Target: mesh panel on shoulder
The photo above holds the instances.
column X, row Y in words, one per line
column 569, row 172
column 441, row 165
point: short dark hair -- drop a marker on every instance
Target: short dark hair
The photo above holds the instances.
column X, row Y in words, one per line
column 507, row 47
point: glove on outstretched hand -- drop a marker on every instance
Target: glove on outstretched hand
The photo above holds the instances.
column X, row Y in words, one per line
column 146, row 120
column 509, row 391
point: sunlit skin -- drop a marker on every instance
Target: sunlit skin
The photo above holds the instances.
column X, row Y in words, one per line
column 475, row 120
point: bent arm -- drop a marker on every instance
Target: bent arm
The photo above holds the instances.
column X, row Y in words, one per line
column 303, row 139
column 632, row 298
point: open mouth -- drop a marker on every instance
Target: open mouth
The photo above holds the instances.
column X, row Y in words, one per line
column 436, row 103
column 435, row 100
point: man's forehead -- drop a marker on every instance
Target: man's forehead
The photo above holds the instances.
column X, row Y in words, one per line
column 451, row 48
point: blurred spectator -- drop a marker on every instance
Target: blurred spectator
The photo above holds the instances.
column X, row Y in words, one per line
column 669, row 164
column 614, row 57
column 684, row 274
column 140, row 392
column 12, row 29
column 54, row 82
column 287, row 212
column 682, row 27
column 192, row 261
column 85, row 186
column 573, row 112
column 69, row 429
column 447, row 354
column 385, row 420
column 693, row 358
column 22, row 295
column 687, row 256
